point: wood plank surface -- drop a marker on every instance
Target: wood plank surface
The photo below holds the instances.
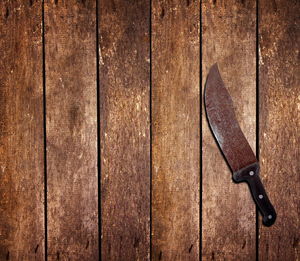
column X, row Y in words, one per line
column 125, row 129
column 176, row 129
column 279, row 29
column 125, row 106
column 71, row 112
column 21, row 132
column 229, row 38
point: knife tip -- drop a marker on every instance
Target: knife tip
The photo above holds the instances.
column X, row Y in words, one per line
column 212, row 71
column 214, row 68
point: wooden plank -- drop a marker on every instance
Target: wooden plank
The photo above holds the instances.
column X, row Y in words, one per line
column 229, row 38
column 125, row 129
column 279, row 125
column 176, row 123
column 71, row 112
column 21, row 132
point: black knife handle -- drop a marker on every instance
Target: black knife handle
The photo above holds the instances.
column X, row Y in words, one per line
column 250, row 174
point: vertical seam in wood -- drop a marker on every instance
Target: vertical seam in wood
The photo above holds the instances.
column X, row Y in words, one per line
column 150, row 116
column 45, row 131
column 98, row 132
column 257, row 122
column 200, row 129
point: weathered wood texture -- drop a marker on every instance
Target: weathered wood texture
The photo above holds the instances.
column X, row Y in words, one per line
column 228, row 213
column 71, row 112
column 125, row 129
column 279, row 28
column 176, row 129
column 21, row 132
column 229, row 37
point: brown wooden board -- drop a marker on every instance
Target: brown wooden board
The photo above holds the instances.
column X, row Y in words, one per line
column 279, row 125
column 71, row 112
column 21, row 132
column 125, row 129
column 176, row 129
column 229, row 39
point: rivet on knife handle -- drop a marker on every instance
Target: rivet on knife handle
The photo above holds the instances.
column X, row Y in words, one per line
column 232, row 142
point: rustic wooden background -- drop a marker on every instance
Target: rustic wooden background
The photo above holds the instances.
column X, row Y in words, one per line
column 105, row 152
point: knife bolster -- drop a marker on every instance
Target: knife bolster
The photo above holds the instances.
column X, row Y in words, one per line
column 246, row 173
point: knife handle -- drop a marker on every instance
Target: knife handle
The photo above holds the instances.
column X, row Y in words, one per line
column 250, row 174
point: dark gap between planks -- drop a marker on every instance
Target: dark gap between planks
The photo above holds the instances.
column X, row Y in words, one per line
column 98, row 130
column 45, row 131
column 257, row 125
column 201, row 135
column 150, row 117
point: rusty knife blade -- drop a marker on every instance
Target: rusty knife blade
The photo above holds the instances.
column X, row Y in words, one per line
column 223, row 122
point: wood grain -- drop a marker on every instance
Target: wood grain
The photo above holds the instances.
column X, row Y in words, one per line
column 279, row 125
column 125, row 129
column 21, row 132
column 176, row 123
column 229, row 37
column 71, row 112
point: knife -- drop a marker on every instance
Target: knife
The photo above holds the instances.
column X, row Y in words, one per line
column 232, row 142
